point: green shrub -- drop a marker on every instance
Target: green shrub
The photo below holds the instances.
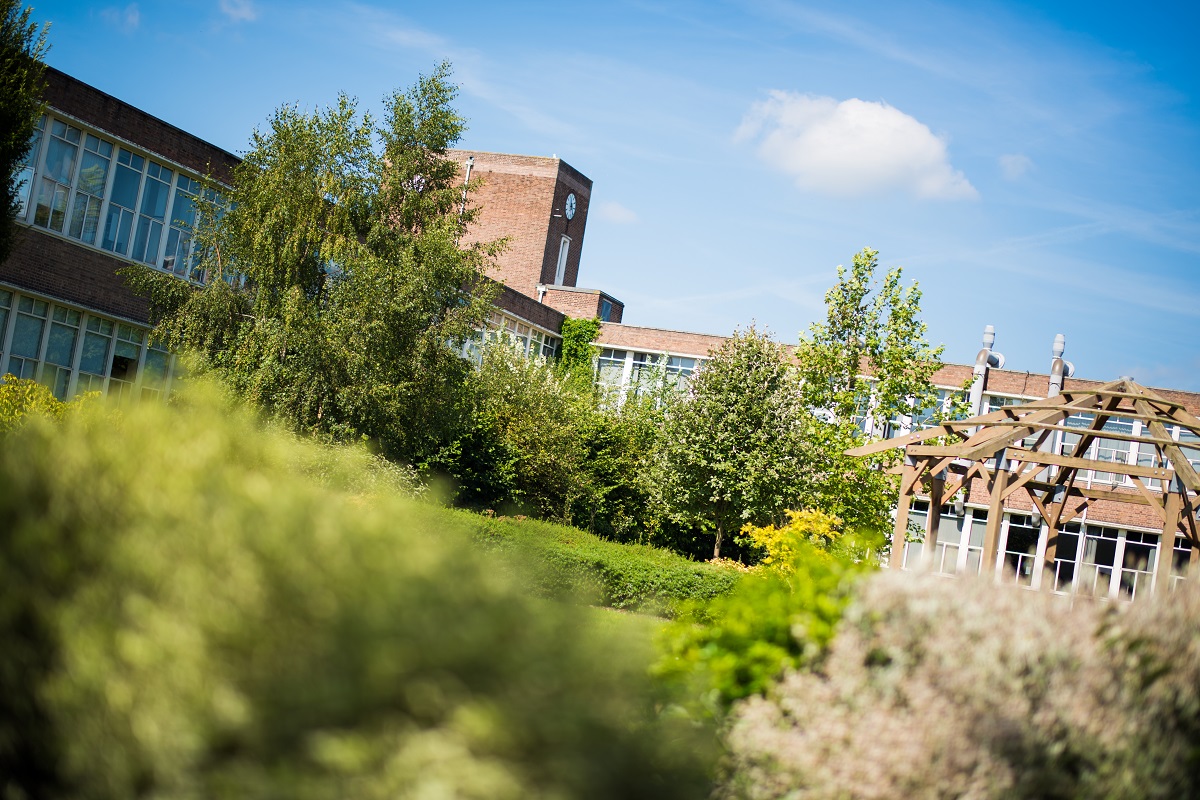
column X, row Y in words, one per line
column 775, row 619
column 193, row 607
column 559, row 561
column 937, row 688
column 19, row 398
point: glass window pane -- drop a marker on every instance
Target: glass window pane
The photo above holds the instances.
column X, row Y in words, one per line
column 155, row 367
column 27, row 336
column 127, row 350
column 125, row 187
column 60, row 345
column 95, row 353
column 60, row 160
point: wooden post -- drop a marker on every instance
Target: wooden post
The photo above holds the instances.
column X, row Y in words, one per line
column 901, row 528
column 1046, row 547
column 991, row 536
column 1166, row 544
column 934, row 520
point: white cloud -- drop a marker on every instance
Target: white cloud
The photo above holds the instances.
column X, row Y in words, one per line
column 239, row 10
column 1014, row 165
column 852, row 148
column 125, row 19
column 610, row 211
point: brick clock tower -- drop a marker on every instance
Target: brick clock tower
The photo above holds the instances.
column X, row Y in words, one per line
column 541, row 205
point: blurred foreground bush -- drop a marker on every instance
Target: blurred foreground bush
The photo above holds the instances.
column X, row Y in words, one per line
column 936, row 688
column 560, row 561
column 193, row 607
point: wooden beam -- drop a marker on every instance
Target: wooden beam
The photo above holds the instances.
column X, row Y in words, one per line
column 953, row 485
column 987, row 442
column 1155, row 502
column 1183, row 467
column 1181, row 416
column 1096, row 494
column 956, row 427
column 1078, row 509
column 883, row 445
column 1102, row 434
column 1116, row 468
column 1025, row 473
column 1111, row 393
column 912, row 475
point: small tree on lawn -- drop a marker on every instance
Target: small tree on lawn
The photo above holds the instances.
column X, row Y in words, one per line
column 730, row 451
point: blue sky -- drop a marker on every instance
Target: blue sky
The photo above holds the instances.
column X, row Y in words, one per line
column 1033, row 166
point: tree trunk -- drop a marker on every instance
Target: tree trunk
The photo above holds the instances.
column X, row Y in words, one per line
column 717, row 543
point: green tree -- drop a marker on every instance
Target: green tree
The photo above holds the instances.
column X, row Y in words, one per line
column 730, row 451
column 870, row 357
column 22, row 82
column 869, row 360
column 338, row 293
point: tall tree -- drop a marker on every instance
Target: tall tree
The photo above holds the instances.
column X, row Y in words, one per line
column 731, row 449
column 870, row 356
column 869, row 360
column 22, row 82
column 338, row 293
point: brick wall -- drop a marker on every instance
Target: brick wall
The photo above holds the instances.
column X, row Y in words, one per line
column 519, row 198
column 55, row 266
column 582, row 303
column 529, row 309
column 107, row 113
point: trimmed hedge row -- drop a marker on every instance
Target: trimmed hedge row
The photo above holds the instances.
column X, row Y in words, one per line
column 560, row 562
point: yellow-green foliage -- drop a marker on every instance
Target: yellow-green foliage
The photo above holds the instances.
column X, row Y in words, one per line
column 775, row 620
column 193, row 607
column 781, row 544
column 20, row 398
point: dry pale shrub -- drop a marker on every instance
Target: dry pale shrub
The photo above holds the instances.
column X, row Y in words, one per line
column 940, row 688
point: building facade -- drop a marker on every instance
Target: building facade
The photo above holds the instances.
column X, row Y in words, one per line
column 105, row 184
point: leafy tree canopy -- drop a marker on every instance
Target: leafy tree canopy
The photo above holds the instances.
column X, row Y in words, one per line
column 868, row 359
column 870, row 356
column 730, row 452
column 338, row 291
column 22, row 50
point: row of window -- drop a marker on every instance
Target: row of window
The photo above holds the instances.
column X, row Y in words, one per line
column 640, row 373
column 529, row 340
column 82, row 186
column 1090, row 560
column 72, row 352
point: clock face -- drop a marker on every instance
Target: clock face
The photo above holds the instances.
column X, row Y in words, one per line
column 570, row 207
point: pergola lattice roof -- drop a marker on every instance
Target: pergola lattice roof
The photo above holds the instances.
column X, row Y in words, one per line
column 1010, row 449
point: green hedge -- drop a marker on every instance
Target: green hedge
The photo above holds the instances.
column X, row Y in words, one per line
column 559, row 561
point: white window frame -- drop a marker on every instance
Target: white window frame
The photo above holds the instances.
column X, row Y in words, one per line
column 564, row 252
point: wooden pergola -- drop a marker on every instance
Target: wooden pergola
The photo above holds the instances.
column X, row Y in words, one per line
column 1011, row 450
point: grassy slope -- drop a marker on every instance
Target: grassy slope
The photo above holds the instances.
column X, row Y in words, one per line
column 561, row 561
